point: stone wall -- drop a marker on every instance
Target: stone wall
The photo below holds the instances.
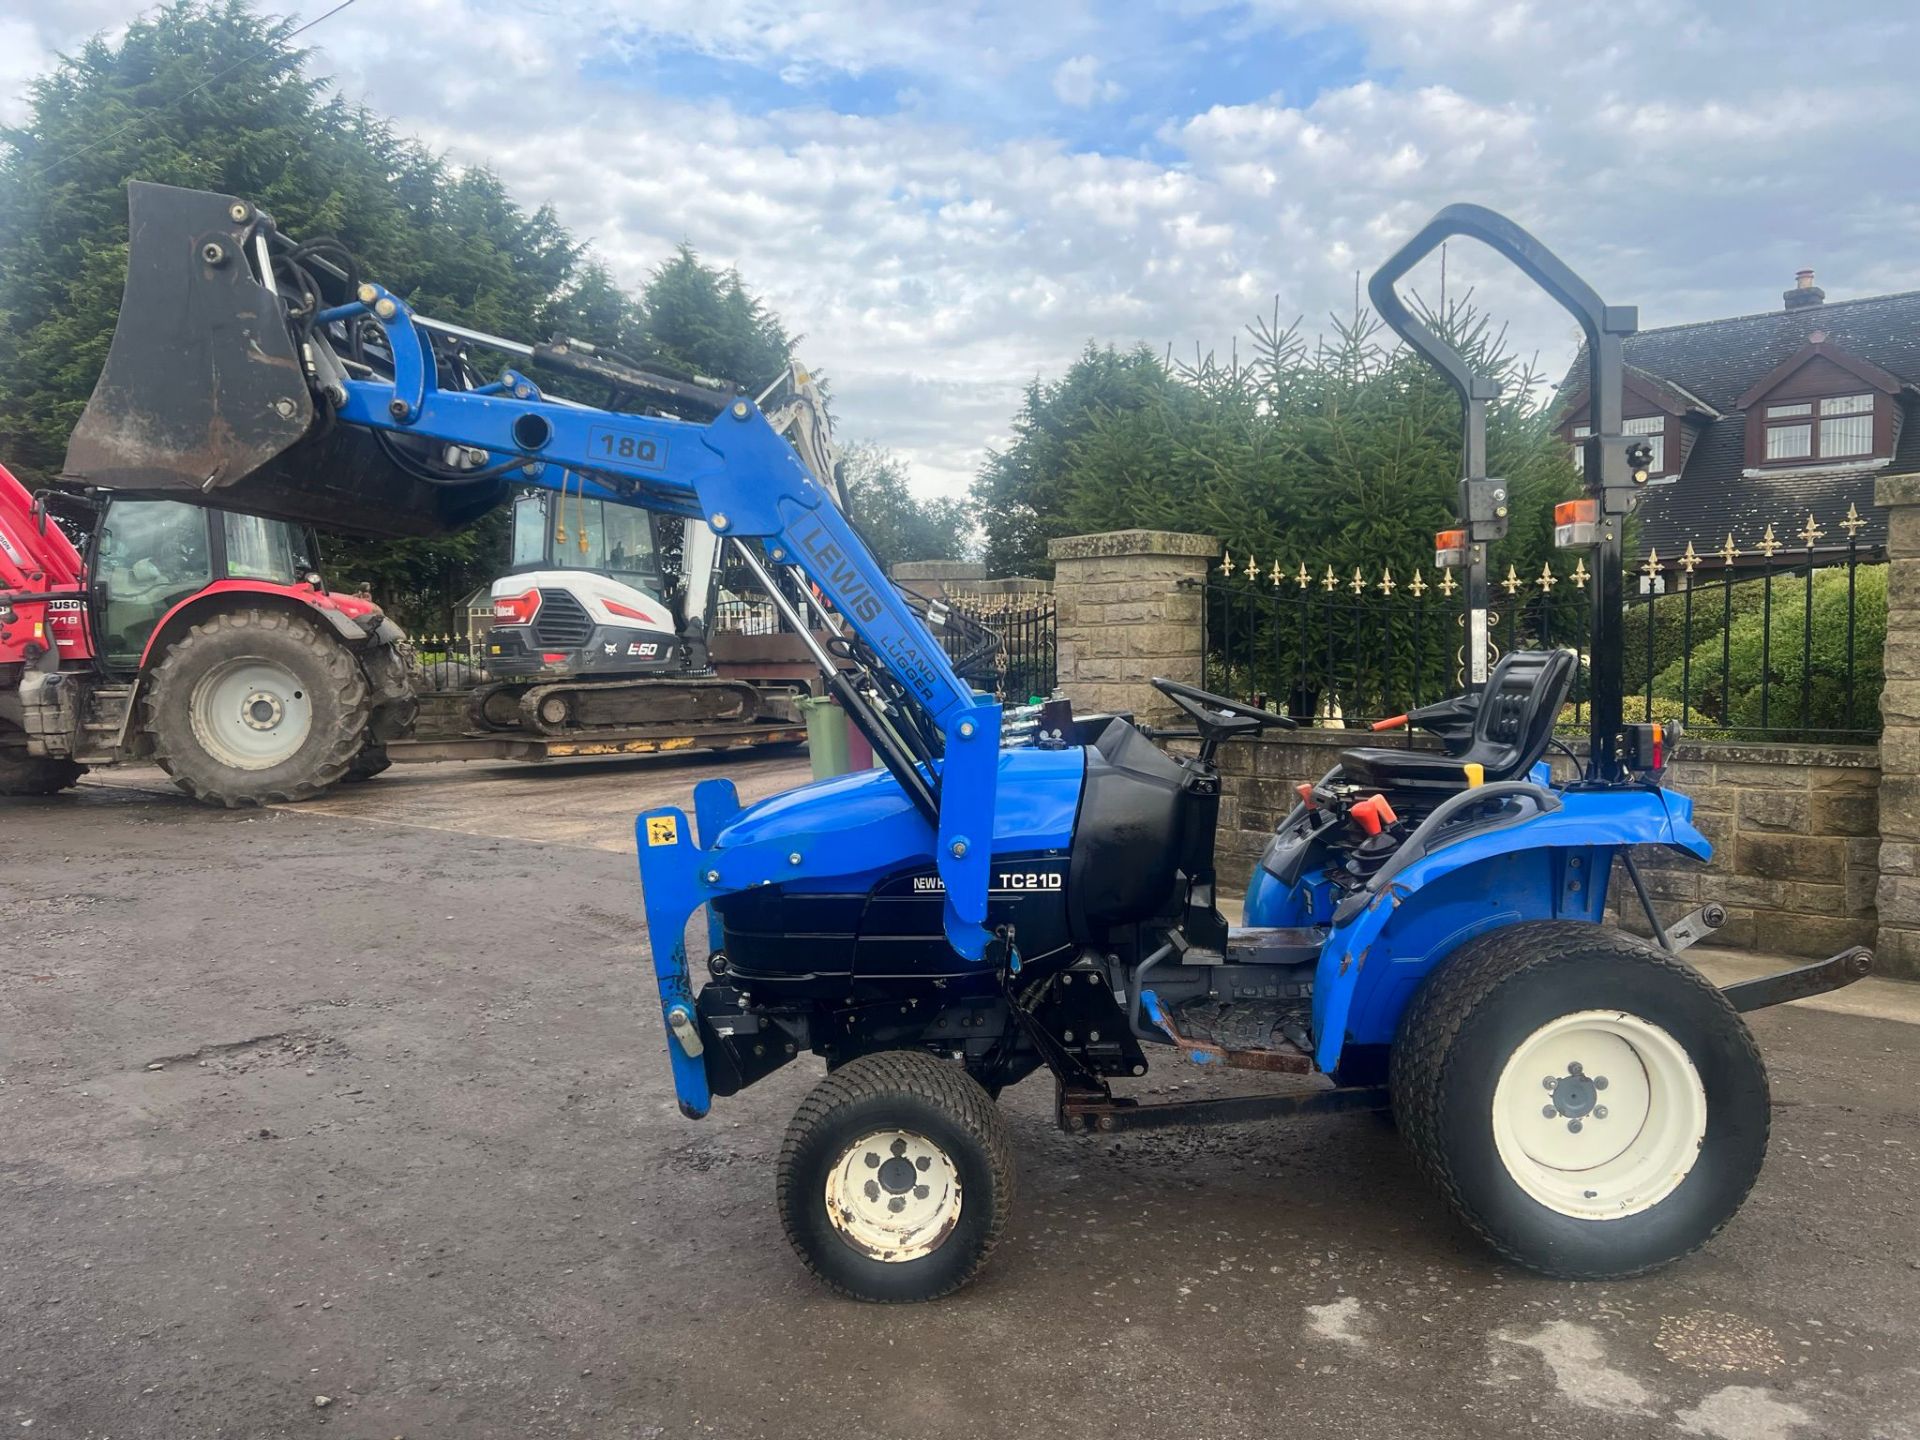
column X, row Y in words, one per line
column 1793, row 830
column 1127, row 607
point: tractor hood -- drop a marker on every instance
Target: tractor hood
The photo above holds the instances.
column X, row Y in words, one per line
column 204, row 393
column 863, row 822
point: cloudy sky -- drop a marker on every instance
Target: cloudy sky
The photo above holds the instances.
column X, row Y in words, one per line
column 950, row 199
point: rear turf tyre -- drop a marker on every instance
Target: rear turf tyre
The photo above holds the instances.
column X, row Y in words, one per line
column 896, row 1178
column 24, row 774
column 1590, row 1106
column 256, row 707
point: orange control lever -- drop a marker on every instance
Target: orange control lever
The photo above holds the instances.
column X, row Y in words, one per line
column 1372, row 814
column 1392, row 722
column 1305, row 791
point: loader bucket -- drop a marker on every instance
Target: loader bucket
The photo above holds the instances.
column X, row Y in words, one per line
column 203, row 392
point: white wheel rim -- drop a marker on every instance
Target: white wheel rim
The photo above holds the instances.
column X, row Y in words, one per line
column 893, row 1196
column 1599, row 1115
column 251, row 714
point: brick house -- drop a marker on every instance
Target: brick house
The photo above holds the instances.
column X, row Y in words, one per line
column 1761, row 420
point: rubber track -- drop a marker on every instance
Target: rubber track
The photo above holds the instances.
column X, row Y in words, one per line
column 343, row 672
column 940, row 1083
column 1424, row 1049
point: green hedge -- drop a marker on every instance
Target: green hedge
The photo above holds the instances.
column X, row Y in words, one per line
column 1729, row 697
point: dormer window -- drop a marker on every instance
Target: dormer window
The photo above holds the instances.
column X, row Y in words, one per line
column 1822, row 407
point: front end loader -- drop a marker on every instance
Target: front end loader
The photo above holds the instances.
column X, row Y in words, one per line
column 1428, row 930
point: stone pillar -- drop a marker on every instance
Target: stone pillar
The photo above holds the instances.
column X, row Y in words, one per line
column 1898, row 943
column 1124, row 616
column 938, row 579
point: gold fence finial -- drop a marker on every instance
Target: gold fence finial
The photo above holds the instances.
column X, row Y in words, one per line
column 1547, row 579
column 1729, row 552
column 1359, row 581
column 1580, row 572
column 1253, row 569
column 1811, row 532
column 1652, row 569
column 1226, row 562
column 1769, row 543
column 1448, row 584
column 1329, row 581
column 1303, row 580
column 1690, row 561
column 1386, row 580
column 1276, row 573
column 1512, row 583
column 1418, row 585
column 1853, row 523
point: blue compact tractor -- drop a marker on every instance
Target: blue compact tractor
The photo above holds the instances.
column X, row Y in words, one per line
column 1427, row 930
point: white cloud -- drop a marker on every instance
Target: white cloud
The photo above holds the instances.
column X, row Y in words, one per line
column 1077, row 82
column 1685, row 156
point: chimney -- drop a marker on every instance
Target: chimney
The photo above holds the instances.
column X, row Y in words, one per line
column 1804, row 292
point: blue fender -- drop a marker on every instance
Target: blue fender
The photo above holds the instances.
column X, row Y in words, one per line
column 1554, row 866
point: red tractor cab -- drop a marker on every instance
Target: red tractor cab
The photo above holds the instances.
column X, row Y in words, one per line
column 202, row 639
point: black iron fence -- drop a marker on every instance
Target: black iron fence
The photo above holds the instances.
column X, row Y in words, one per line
column 1024, row 659
column 1752, row 638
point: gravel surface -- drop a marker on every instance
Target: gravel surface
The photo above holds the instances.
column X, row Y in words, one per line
column 354, row 1120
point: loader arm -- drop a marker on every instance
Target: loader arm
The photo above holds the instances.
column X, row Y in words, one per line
column 313, row 355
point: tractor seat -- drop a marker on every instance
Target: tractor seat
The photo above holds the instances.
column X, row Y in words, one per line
column 1511, row 728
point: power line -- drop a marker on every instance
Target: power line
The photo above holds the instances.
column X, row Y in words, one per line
column 178, row 99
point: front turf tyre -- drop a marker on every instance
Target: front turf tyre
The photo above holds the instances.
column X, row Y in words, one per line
column 257, row 706
column 1590, row 1106
column 896, row 1178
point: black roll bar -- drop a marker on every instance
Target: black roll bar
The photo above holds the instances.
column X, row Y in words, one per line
column 1611, row 477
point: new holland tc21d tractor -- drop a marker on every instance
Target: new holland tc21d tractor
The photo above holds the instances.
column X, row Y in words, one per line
column 1427, row 928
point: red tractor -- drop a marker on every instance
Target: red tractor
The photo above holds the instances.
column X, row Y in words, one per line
column 202, row 639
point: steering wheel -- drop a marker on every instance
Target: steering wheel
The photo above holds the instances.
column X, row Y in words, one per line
column 1218, row 717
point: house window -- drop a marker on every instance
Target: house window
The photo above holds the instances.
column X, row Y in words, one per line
column 1654, row 427
column 1846, row 425
column 1843, row 427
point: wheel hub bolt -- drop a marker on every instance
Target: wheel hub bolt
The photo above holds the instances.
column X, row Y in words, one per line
column 920, row 1192
column 1548, row 1112
column 1573, row 1127
column 1599, row 1112
column 1574, row 1068
column 1599, row 1082
column 897, row 1204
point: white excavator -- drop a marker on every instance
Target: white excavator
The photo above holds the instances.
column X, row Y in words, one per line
column 596, row 628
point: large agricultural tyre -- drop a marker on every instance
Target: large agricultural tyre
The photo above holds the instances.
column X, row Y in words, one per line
column 896, row 1177
column 24, row 774
column 257, row 706
column 1590, row 1106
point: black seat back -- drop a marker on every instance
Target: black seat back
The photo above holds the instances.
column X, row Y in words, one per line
column 1517, row 710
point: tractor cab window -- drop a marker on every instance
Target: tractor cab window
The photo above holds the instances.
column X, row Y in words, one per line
column 529, row 532
column 259, row 549
column 151, row 555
